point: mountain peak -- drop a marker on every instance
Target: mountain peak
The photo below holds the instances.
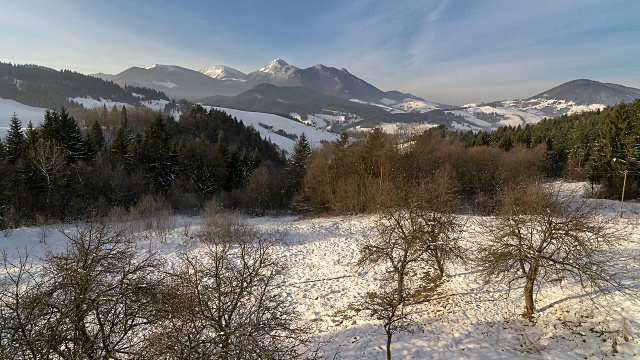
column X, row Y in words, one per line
column 162, row 67
column 222, row 72
column 277, row 65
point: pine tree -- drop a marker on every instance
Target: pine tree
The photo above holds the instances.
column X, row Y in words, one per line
column 14, row 140
column 156, row 153
column 297, row 167
column 71, row 136
column 49, row 131
column 95, row 140
column 31, row 137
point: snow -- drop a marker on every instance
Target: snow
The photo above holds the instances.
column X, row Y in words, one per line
column 162, row 67
column 90, row 103
column 327, row 118
column 222, row 72
column 167, row 84
column 24, row 113
column 388, row 102
column 469, row 318
column 315, row 136
column 582, row 108
column 471, row 118
column 278, row 68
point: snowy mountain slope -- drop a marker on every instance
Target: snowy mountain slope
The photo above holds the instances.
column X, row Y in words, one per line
column 276, row 72
column 176, row 81
column 275, row 123
column 222, row 72
column 273, row 99
column 469, row 319
column 24, row 112
column 569, row 98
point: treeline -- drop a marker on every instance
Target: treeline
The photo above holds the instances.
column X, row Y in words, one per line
column 48, row 88
column 598, row 146
column 61, row 171
column 365, row 175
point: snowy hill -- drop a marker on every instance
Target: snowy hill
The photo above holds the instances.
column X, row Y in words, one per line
column 268, row 125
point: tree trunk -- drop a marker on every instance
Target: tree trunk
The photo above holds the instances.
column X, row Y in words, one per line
column 528, row 299
column 400, row 288
column 389, row 335
column 530, row 306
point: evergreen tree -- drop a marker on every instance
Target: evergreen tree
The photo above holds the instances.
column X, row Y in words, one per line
column 14, row 140
column 71, row 137
column 297, row 166
column 31, row 137
column 95, row 139
column 49, row 131
column 156, row 153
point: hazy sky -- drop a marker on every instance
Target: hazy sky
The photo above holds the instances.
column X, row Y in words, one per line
column 448, row 51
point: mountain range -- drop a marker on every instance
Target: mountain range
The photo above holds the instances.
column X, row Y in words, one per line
column 324, row 97
column 336, row 100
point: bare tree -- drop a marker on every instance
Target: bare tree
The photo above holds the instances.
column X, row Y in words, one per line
column 50, row 159
column 418, row 232
column 540, row 235
column 225, row 302
column 93, row 301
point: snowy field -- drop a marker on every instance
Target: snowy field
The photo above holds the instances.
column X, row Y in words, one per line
column 470, row 319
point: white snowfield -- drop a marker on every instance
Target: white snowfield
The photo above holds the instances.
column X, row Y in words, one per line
column 469, row 319
column 90, row 103
column 315, row 136
column 25, row 113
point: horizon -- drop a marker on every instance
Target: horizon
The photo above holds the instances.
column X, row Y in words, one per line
column 484, row 52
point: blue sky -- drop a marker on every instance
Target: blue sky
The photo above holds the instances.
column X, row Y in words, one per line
column 449, row 51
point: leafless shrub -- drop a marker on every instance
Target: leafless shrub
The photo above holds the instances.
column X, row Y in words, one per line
column 211, row 209
column 225, row 228
column 225, row 302
column 44, row 227
column 154, row 214
column 544, row 234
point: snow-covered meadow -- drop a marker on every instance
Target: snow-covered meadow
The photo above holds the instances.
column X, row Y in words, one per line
column 469, row 318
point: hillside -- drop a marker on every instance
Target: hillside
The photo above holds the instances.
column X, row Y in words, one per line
column 587, row 92
column 48, row 88
column 268, row 126
column 304, row 102
column 176, row 81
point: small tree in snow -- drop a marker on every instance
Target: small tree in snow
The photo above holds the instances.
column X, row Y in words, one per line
column 541, row 235
column 417, row 232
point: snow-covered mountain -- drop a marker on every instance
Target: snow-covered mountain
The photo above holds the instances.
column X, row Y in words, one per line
column 222, row 72
column 569, row 98
column 277, row 72
column 176, row 81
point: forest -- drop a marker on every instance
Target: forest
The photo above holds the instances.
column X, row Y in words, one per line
column 68, row 169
